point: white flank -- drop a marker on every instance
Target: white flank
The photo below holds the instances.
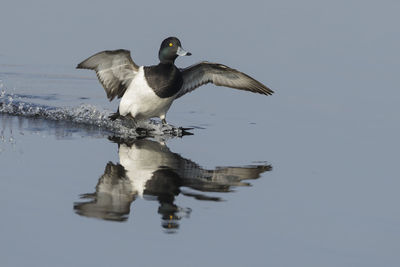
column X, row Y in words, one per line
column 141, row 102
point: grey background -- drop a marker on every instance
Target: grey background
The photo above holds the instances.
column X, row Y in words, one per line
column 330, row 132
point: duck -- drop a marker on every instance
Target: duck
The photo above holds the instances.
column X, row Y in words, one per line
column 148, row 91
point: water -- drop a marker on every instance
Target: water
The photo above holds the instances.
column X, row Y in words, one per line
column 306, row 177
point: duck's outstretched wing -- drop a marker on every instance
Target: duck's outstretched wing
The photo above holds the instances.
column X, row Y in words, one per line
column 221, row 75
column 115, row 70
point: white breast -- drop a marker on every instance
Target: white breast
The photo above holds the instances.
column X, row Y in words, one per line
column 141, row 102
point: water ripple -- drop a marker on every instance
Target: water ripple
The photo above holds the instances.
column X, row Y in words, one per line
column 86, row 115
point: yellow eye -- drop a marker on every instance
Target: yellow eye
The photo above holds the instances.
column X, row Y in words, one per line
column 170, row 44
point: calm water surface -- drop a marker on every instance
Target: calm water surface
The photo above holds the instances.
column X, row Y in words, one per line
column 306, row 177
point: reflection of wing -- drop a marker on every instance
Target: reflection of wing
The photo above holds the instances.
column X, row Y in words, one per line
column 115, row 70
column 113, row 196
column 222, row 179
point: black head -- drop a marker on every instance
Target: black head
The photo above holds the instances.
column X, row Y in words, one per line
column 170, row 49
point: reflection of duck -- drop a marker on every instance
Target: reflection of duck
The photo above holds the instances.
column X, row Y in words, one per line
column 150, row 170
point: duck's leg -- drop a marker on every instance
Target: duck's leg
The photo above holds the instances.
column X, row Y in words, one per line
column 166, row 128
column 115, row 115
column 133, row 123
column 163, row 120
column 128, row 121
column 131, row 120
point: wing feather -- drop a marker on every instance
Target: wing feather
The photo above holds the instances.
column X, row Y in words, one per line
column 115, row 70
column 221, row 75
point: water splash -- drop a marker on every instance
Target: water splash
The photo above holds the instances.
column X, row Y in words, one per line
column 85, row 115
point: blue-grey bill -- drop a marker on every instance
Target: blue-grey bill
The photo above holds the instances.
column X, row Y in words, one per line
column 182, row 52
